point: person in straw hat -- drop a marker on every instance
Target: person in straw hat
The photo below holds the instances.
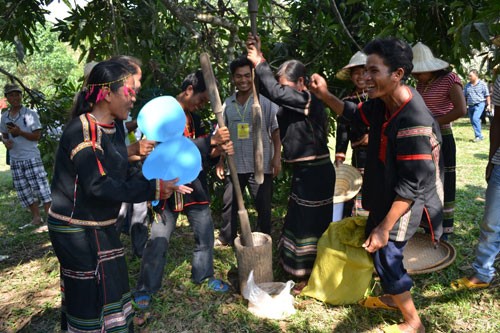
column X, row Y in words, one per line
column 402, row 172
column 442, row 93
column 356, row 133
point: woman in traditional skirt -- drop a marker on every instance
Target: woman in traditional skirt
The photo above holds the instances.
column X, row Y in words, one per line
column 91, row 179
column 303, row 125
column 443, row 94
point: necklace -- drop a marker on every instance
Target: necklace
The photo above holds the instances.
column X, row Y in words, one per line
column 362, row 96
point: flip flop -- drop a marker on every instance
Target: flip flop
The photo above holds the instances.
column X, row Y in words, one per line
column 142, row 301
column 465, row 283
column 217, row 285
column 375, row 303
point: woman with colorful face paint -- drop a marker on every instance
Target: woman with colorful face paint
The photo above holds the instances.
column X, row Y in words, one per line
column 91, row 180
column 403, row 173
column 443, row 95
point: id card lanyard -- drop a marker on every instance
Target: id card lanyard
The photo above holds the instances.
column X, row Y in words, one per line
column 243, row 128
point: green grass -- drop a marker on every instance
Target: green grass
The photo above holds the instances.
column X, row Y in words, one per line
column 29, row 278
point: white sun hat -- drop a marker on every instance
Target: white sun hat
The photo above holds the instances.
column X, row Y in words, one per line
column 424, row 60
column 358, row 59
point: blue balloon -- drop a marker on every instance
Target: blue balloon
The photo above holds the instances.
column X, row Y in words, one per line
column 176, row 158
column 161, row 118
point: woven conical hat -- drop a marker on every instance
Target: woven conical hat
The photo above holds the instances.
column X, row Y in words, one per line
column 424, row 61
column 358, row 59
column 347, row 183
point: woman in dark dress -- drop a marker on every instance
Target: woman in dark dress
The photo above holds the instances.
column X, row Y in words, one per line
column 91, row 180
column 303, row 125
column 356, row 133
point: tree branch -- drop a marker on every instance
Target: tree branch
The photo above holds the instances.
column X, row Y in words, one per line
column 188, row 15
column 341, row 21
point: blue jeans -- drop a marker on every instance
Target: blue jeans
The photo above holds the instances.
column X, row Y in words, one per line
column 475, row 112
column 489, row 238
column 154, row 254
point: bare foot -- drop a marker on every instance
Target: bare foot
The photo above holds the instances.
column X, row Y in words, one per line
column 41, row 229
column 141, row 319
column 37, row 220
column 414, row 328
column 297, row 289
column 475, row 280
column 387, row 300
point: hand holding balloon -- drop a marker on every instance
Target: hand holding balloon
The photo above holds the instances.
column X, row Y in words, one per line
column 167, row 187
column 141, row 148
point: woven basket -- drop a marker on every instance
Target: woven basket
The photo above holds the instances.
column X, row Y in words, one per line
column 421, row 257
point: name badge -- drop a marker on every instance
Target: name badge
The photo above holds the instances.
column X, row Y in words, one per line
column 243, row 130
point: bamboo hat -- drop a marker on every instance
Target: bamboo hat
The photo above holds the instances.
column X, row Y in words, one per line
column 347, row 183
column 424, row 60
column 358, row 59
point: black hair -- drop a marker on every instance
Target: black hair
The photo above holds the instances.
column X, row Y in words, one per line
column 241, row 61
column 132, row 63
column 474, row 71
column 293, row 70
column 394, row 52
column 196, row 80
column 441, row 72
column 104, row 72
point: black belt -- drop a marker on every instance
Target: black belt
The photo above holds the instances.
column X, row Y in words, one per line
column 476, row 104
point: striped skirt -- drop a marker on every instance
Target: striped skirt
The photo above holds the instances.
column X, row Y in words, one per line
column 310, row 209
column 94, row 279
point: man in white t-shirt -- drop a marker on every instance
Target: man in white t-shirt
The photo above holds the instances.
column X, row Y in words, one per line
column 21, row 130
